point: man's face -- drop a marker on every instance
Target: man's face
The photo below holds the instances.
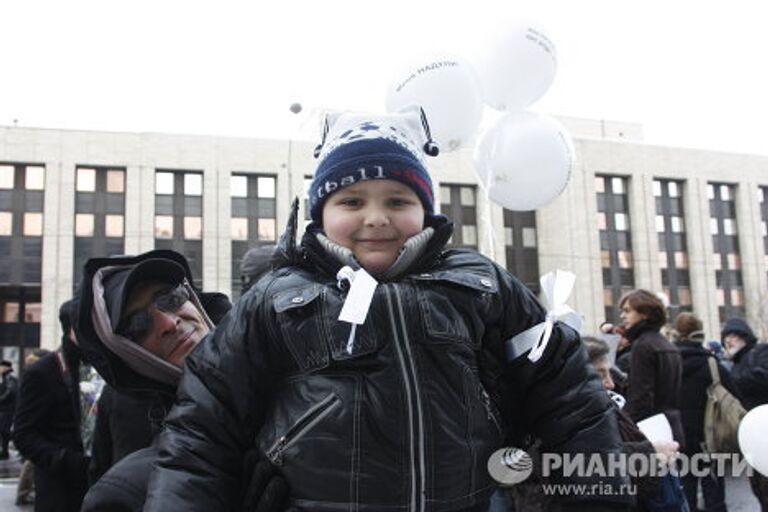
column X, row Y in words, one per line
column 733, row 343
column 630, row 316
column 162, row 319
column 373, row 219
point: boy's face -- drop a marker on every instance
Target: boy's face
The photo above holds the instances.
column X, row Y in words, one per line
column 373, row 219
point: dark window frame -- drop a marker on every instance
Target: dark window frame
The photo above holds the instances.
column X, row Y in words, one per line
column 459, row 214
column 615, row 278
column 254, row 208
column 723, row 244
column 192, row 249
column 98, row 203
column 671, row 242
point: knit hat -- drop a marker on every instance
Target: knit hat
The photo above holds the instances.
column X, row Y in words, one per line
column 358, row 147
column 740, row 328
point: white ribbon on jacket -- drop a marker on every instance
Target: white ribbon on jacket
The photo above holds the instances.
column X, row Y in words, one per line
column 557, row 287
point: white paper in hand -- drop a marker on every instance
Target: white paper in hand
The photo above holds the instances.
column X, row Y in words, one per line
column 656, row 428
column 359, row 298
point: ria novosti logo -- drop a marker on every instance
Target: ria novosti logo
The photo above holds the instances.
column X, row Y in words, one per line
column 510, row 466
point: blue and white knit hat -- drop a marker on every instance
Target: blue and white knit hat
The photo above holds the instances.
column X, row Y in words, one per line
column 358, row 147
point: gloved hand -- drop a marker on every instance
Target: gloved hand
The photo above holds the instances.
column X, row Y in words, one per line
column 264, row 488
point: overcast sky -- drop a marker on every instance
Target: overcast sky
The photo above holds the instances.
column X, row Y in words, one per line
column 693, row 73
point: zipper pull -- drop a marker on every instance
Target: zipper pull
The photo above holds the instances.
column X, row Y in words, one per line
column 276, row 453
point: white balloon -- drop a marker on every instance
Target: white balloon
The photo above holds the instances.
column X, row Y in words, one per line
column 518, row 67
column 524, row 160
column 752, row 439
column 448, row 91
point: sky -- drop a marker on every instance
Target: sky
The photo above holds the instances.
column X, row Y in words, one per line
column 693, row 73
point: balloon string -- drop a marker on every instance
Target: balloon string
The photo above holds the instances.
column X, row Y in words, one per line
column 488, row 222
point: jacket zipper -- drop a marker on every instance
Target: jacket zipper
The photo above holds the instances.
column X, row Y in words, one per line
column 488, row 409
column 417, row 502
column 303, row 425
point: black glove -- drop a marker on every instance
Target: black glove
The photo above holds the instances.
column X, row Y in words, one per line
column 264, row 488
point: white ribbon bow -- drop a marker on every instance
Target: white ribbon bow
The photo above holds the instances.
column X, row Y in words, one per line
column 557, row 287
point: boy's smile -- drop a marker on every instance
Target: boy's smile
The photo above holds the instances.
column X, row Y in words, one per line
column 373, row 218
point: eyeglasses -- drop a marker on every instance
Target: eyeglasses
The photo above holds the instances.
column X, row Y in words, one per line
column 138, row 324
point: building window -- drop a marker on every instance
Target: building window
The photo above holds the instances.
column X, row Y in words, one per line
column 85, row 180
column 84, row 224
column 614, row 225
column 34, row 177
column 7, row 176
column 254, row 218
column 113, row 226
column 21, row 253
column 6, row 223
column 521, row 247
column 458, row 203
column 193, row 228
column 725, row 242
column 164, row 226
column 99, row 213
column 179, row 216
column 673, row 247
column 164, row 182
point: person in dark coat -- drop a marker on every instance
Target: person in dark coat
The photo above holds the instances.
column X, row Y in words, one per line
column 159, row 318
column 9, row 390
column 655, row 372
column 25, row 489
column 750, row 362
column 47, row 423
column 696, row 379
column 750, row 376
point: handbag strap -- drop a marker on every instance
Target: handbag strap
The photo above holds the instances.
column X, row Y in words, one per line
column 713, row 371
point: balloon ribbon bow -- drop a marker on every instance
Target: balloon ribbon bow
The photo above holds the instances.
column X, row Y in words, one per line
column 557, row 286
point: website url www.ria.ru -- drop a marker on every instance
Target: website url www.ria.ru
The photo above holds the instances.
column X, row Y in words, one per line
column 589, row 490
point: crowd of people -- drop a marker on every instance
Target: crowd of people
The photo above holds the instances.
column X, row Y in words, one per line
column 368, row 367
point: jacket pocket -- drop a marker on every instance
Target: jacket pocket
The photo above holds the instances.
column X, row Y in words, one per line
column 344, row 343
column 301, row 318
column 452, row 305
column 304, row 424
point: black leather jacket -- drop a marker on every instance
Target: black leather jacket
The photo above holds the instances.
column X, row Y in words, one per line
column 406, row 421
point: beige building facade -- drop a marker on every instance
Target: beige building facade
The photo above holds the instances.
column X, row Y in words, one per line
column 690, row 223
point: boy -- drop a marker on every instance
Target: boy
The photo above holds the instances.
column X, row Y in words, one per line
column 400, row 411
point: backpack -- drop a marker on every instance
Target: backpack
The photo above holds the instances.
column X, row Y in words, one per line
column 722, row 415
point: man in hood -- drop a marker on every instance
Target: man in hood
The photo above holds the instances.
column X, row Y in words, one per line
column 750, row 361
column 139, row 319
column 750, row 375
